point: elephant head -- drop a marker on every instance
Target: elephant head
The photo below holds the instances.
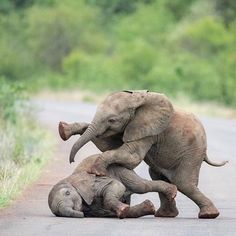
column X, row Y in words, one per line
column 136, row 114
column 66, row 197
column 64, row 200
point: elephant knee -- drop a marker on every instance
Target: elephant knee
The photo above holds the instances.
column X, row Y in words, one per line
column 133, row 161
column 115, row 190
column 118, row 187
column 130, row 158
column 144, row 188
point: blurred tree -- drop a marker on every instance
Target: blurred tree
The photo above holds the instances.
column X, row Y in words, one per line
column 8, row 5
column 5, row 6
column 54, row 32
column 110, row 7
column 178, row 7
column 22, row 3
column 227, row 10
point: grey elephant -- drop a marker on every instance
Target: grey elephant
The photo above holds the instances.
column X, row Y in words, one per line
column 132, row 126
column 83, row 194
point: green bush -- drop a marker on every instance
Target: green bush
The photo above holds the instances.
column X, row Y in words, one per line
column 136, row 65
column 112, row 7
column 91, row 71
column 169, row 46
column 16, row 60
column 11, row 97
column 53, row 32
column 207, row 37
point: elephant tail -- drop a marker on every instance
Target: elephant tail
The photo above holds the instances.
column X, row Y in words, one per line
column 209, row 162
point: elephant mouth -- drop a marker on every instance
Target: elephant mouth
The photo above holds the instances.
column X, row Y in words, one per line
column 107, row 134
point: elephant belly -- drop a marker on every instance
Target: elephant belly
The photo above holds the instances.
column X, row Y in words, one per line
column 162, row 162
column 161, row 157
column 176, row 144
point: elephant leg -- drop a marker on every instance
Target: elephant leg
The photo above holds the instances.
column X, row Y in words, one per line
column 168, row 207
column 136, row 184
column 103, row 144
column 111, row 199
column 186, row 180
column 128, row 155
column 112, row 195
column 142, row 209
column 67, row 130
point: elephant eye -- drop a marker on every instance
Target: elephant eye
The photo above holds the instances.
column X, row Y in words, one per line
column 67, row 193
column 111, row 120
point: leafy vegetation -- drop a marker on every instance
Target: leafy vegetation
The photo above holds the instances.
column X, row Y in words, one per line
column 162, row 45
column 24, row 145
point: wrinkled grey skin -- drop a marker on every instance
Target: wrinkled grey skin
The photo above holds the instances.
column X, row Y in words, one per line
column 129, row 127
column 64, row 200
column 83, row 194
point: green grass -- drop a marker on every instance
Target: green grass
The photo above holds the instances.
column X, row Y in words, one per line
column 25, row 146
column 15, row 175
column 15, row 179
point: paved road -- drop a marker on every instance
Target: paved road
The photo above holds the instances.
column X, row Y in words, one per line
column 30, row 215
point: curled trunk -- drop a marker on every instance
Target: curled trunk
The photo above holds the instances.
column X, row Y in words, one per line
column 69, row 212
column 85, row 138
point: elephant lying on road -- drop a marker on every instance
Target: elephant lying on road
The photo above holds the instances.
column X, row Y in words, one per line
column 83, row 194
column 129, row 127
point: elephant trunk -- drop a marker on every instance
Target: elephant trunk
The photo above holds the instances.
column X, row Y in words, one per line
column 90, row 133
column 69, row 212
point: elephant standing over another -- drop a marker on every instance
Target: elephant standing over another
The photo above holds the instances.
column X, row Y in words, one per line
column 83, row 194
column 132, row 126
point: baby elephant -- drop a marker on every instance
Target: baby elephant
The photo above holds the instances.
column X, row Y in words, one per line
column 83, row 194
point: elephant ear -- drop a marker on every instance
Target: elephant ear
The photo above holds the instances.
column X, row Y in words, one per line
column 83, row 183
column 152, row 114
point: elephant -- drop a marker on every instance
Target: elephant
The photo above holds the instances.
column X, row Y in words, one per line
column 87, row 195
column 131, row 126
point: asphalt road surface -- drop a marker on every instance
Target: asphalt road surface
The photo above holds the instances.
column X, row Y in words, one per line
column 30, row 215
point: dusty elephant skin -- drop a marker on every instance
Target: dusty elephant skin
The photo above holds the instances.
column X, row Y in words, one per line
column 83, row 194
column 129, row 127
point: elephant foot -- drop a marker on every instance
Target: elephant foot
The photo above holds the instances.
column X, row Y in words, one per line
column 122, row 211
column 98, row 168
column 169, row 211
column 148, row 207
column 171, row 192
column 208, row 212
column 64, row 130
